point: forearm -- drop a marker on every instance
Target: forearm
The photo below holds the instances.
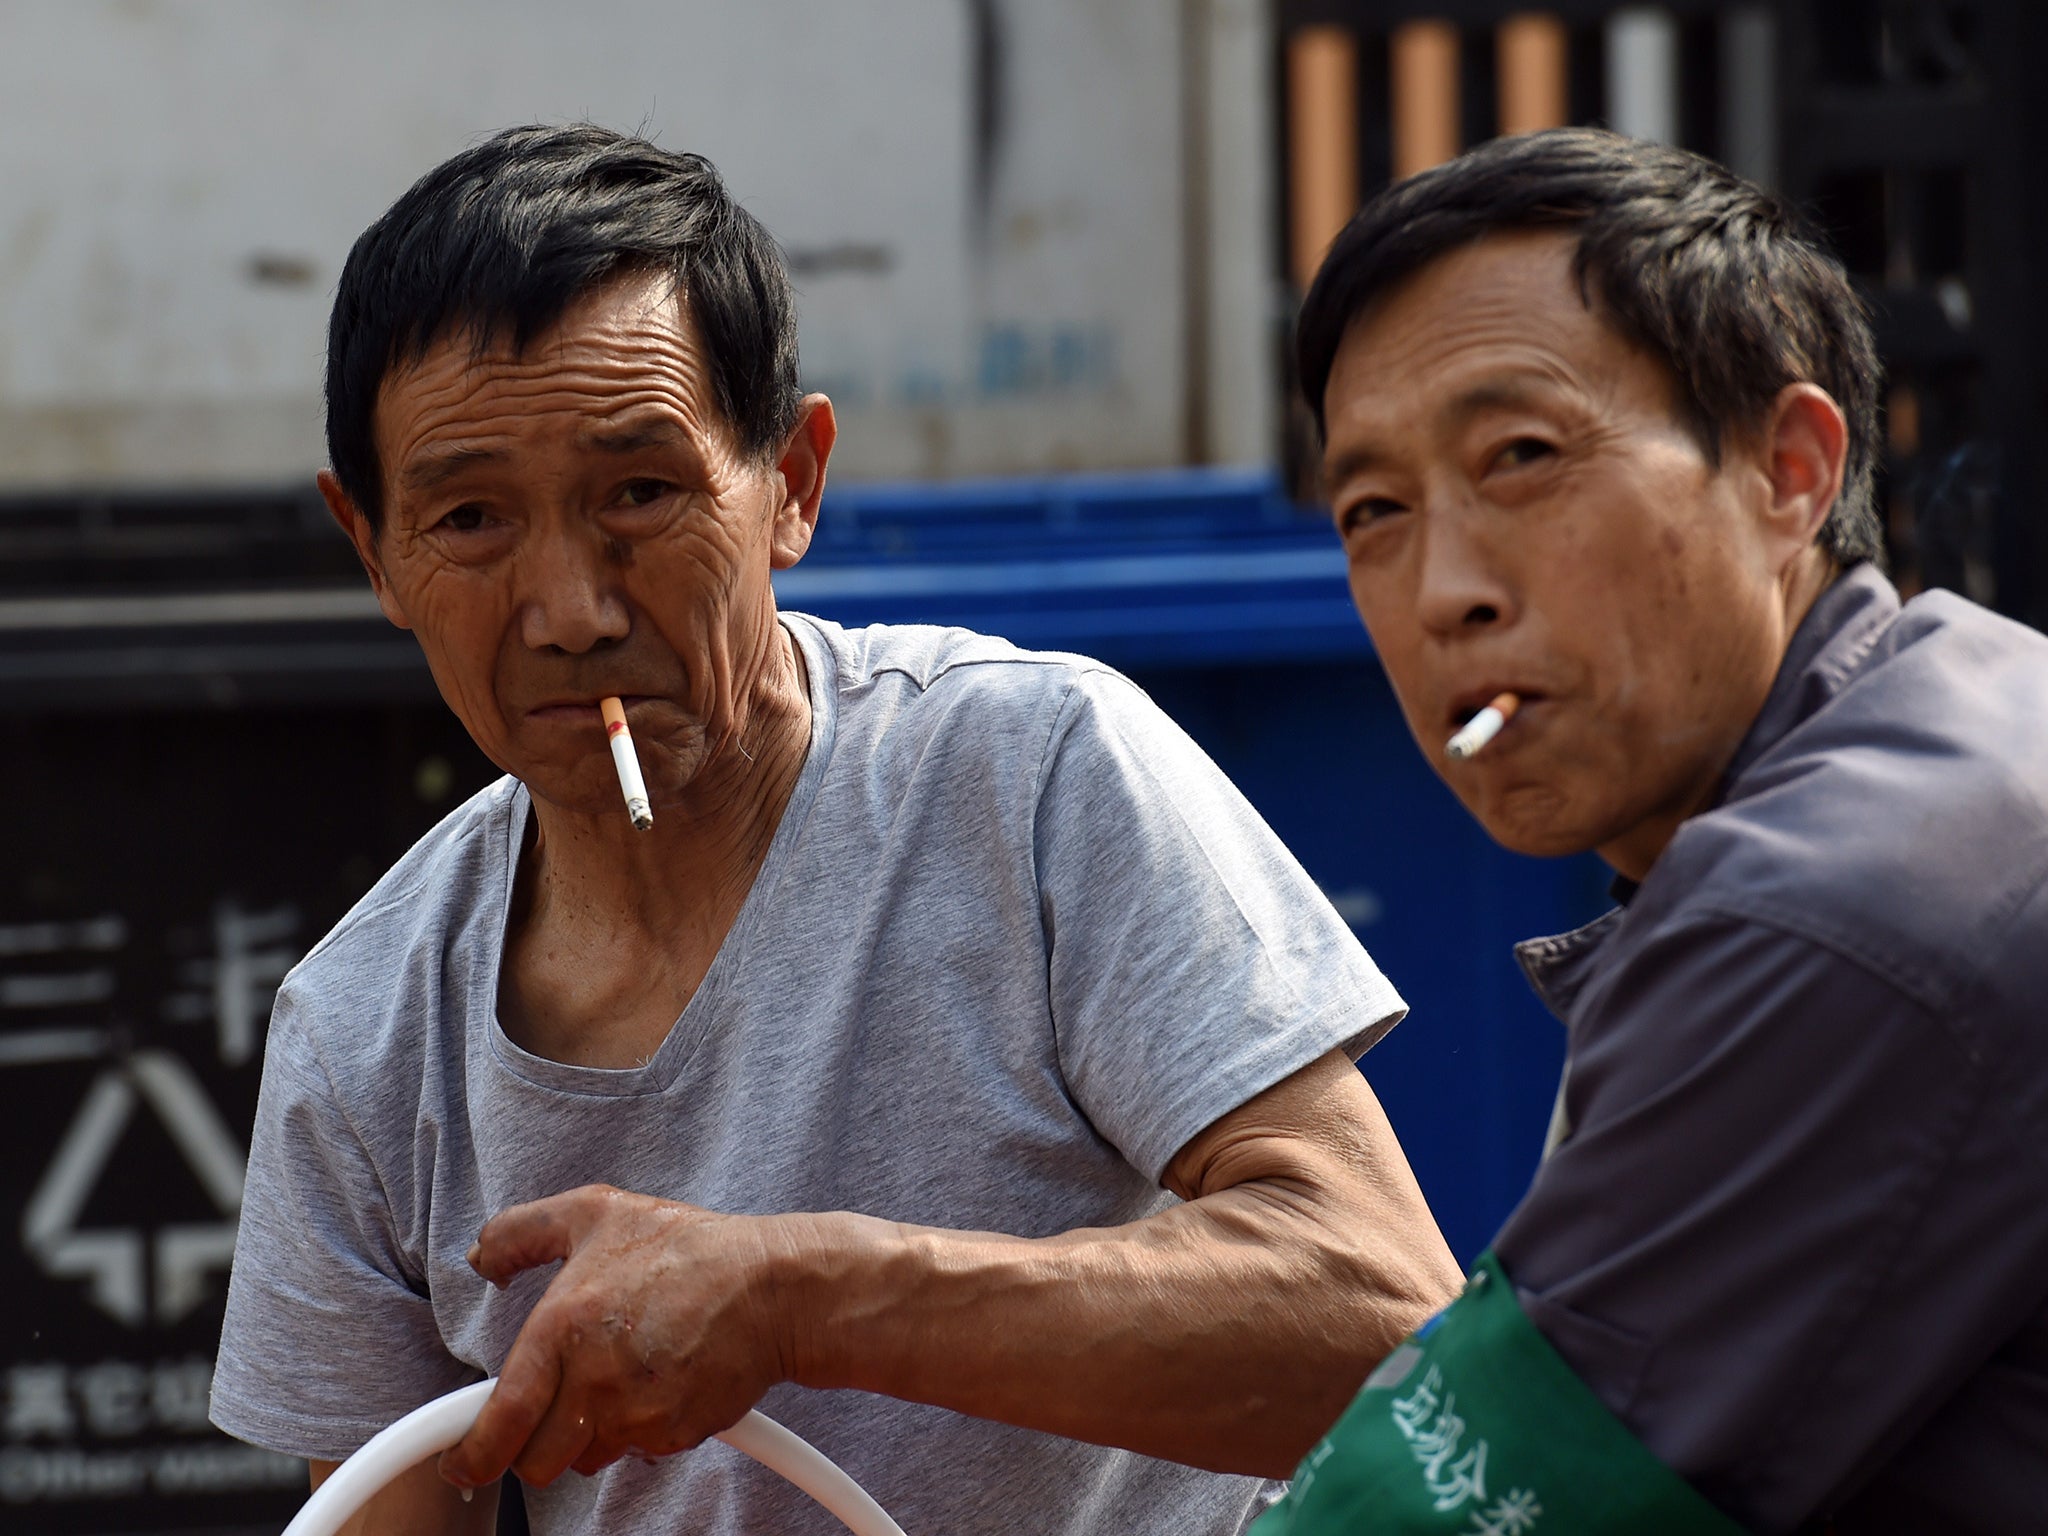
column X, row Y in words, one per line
column 1227, row 1332
column 1192, row 1336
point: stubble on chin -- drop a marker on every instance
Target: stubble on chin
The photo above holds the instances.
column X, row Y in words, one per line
column 1537, row 818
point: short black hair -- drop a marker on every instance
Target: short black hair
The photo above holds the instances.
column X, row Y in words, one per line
column 1715, row 277
column 497, row 242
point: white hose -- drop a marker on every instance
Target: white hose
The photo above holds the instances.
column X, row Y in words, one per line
column 428, row 1430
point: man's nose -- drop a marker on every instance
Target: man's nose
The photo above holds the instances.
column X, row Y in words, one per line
column 1461, row 583
column 572, row 600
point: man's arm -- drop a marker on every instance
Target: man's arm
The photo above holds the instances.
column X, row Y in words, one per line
column 1226, row 1332
column 418, row 1503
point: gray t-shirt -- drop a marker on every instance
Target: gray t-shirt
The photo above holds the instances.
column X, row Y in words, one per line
column 1015, row 942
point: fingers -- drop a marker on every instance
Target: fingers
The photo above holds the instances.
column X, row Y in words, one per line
column 526, row 1391
column 521, row 1237
column 602, row 1450
column 563, row 1436
column 636, row 1347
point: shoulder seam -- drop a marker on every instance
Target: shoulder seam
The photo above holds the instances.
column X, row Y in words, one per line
column 1940, row 995
column 357, row 916
column 367, row 910
column 1081, row 666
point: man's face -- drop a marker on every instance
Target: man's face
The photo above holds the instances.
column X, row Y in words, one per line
column 578, row 521
column 1523, row 509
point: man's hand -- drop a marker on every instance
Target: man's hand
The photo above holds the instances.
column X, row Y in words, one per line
column 1226, row 1332
column 658, row 1333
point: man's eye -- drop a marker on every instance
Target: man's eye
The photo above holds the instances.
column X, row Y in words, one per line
column 1368, row 509
column 1523, row 450
column 466, row 518
column 639, row 493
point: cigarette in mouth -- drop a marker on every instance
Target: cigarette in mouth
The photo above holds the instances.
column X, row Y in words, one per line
column 1483, row 727
column 627, row 763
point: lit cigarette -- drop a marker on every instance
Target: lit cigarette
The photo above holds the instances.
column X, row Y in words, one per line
column 1483, row 727
column 627, row 763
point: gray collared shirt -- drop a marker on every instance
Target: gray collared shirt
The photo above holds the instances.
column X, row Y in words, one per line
column 1796, row 1232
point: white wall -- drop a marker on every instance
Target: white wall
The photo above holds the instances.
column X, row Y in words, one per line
column 181, row 179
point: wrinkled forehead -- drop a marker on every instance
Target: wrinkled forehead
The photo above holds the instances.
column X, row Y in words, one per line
column 1502, row 318
column 630, row 343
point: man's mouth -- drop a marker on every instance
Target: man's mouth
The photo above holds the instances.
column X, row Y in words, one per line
column 580, row 711
column 1468, row 703
column 1482, row 724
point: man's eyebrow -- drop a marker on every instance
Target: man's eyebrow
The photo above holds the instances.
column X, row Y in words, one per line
column 633, row 437
column 435, row 467
column 1494, row 393
column 626, row 438
column 1350, row 463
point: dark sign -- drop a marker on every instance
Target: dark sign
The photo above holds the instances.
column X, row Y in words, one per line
column 162, row 873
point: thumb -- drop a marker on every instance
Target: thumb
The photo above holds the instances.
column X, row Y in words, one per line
column 522, row 1237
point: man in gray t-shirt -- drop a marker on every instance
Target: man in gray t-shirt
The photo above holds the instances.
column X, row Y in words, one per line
column 1014, row 944
column 955, row 1035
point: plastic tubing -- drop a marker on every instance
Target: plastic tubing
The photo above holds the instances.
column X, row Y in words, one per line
column 431, row 1429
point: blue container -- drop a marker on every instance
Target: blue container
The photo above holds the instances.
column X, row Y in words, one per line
column 1228, row 604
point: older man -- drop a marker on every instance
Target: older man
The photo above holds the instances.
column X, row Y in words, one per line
column 931, row 940
column 1599, row 429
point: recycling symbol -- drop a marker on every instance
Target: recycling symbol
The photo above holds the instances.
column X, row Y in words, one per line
column 115, row 1260
column 133, row 1274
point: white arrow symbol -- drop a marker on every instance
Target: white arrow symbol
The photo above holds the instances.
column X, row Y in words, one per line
column 113, row 1258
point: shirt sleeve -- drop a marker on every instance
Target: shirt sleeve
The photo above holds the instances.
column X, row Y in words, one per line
column 1193, row 962
column 1789, row 1220
column 321, row 1280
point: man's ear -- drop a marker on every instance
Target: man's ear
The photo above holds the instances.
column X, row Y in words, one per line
column 802, row 468
column 364, row 537
column 1806, row 443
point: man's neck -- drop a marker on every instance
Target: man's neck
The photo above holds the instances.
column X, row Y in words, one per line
column 612, row 929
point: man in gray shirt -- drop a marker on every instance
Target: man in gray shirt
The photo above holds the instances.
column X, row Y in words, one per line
column 1024, row 1048
column 1600, row 425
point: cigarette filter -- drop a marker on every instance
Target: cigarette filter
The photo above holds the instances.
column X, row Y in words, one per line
column 1483, row 727
column 627, row 762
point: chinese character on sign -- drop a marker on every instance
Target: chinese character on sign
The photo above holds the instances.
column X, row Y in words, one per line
column 39, row 1403
column 112, row 1399
column 48, row 973
column 115, row 1394
column 234, row 986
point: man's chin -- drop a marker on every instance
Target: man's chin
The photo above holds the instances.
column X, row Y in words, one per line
column 581, row 805
column 575, row 789
column 591, row 787
column 1538, row 824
